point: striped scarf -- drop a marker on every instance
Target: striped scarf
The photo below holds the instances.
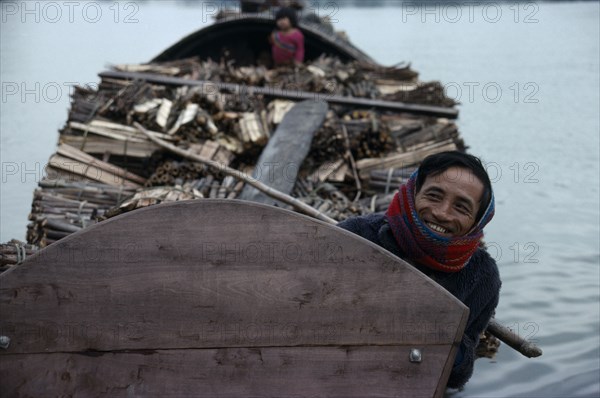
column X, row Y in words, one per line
column 425, row 246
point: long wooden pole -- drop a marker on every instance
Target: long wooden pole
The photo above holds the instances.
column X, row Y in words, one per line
column 216, row 87
column 267, row 190
column 504, row 334
column 512, row 339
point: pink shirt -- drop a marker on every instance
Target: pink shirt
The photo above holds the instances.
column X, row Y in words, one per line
column 287, row 47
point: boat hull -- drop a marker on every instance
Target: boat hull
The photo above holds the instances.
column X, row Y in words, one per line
column 244, row 38
column 223, row 298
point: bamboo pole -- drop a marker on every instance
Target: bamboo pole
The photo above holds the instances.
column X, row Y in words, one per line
column 267, row 190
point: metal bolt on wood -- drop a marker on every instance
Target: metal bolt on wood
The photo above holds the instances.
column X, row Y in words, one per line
column 415, row 355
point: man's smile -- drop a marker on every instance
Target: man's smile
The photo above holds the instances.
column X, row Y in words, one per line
column 437, row 228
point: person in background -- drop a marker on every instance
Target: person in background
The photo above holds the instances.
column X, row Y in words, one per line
column 287, row 41
column 435, row 222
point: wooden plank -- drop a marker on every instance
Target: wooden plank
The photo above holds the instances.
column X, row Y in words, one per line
column 158, row 277
column 127, row 131
column 74, row 153
column 188, row 279
column 212, row 150
column 450, row 113
column 230, row 372
column 283, row 156
column 109, row 133
column 90, row 171
column 102, row 145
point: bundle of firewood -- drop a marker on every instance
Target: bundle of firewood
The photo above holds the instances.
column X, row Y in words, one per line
column 63, row 206
column 77, row 189
column 14, row 252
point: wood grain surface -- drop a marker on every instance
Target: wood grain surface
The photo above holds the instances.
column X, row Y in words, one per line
column 169, row 288
column 228, row 372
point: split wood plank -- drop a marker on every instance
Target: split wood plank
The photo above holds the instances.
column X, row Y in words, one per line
column 109, row 133
column 103, row 145
column 122, row 128
column 212, row 150
column 76, row 154
column 90, row 171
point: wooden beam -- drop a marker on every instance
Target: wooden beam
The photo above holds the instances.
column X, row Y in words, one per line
column 296, row 95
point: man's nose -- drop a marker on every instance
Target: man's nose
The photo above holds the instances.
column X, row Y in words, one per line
column 442, row 211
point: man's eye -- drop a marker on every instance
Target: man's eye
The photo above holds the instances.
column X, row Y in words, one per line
column 463, row 209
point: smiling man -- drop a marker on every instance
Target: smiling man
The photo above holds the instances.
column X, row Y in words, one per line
column 435, row 222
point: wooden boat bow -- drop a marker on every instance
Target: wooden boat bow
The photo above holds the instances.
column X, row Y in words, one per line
column 223, row 298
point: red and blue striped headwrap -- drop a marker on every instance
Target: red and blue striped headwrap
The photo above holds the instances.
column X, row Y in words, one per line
column 423, row 245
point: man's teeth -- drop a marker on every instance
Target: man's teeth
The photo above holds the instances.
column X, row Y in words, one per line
column 437, row 228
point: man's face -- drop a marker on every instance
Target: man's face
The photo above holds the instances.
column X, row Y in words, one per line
column 448, row 202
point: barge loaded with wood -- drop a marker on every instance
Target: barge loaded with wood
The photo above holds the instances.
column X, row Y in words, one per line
column 182, row 242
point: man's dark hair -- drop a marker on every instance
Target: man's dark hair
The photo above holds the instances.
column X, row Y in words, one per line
column 289, row 13
column 436, row 164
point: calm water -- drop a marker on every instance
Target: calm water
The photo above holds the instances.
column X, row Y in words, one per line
column 527, row 76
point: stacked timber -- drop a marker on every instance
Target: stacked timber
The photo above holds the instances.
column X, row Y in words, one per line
column 63, row 205
column 106, row 165
column 76, row 190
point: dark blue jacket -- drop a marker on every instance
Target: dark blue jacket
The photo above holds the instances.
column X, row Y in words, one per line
column 477, row 286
